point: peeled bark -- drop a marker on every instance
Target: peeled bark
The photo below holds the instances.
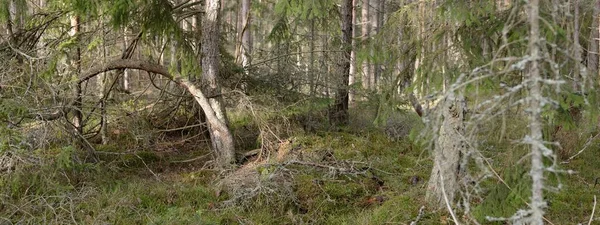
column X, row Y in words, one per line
column 444, row 180
column 222, row 140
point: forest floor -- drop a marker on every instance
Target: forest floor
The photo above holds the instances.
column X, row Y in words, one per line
column 343, row 176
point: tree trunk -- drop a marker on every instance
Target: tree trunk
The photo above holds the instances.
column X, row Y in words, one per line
column 593, row 47
column 374, row 14
column 101, row 82
column 126, row 71
column 365, row 29
column 222, row 140
column 536, row 103
column 443, row 182
column 311, row 70
column 77, row 121
column 324, row 66
column 245, row 34
column 352, row 54
column 41, row 44
column 576, row 48
column 377, row 23
column 76, row 64
column 9, row 24
column 340, row 115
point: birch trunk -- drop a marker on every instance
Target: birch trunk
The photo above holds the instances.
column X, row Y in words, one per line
column 352, row 54
column 245, row 34
column 126, row 71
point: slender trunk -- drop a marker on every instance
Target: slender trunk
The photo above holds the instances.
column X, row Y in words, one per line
column 173, row 62
column 576, row 48
column 239, row 26
column 9, row 25
column 76, row 64
column 374, row 67
column 352, row 54
column 126, row 71
column 311, row 70
column 14, row 15
column 593, row 46
column 378, row 6
column 194, row 20
column 77, row 121
column 245, row 34
column 535, row 106
column 222, row 140
column 101, row 81
column 41, row 44
column 340, row 115
column 324, row 68
column 365, row 30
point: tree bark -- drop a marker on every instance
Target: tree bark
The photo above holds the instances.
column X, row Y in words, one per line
column 576, row 48
column 340, row 115
column 443, row 182
column 593, row 46
column 365, row 29
column 101, row 82
column 76, row 64
column 125, row 72
column 536, row 103
column 245, row 35
column 352, row 72
column 311, row 70
column 9, row 25
column 374, row 14
column 377, row 22
column 222, row 140
column 77, row 121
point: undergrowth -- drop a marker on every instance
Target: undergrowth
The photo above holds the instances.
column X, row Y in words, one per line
column 388, row 186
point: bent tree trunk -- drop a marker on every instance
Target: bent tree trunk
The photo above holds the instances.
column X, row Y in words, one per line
column 443, row 183
column 220, row 134
column 222, row 140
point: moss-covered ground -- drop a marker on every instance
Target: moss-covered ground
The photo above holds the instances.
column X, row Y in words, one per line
column 153, row 187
